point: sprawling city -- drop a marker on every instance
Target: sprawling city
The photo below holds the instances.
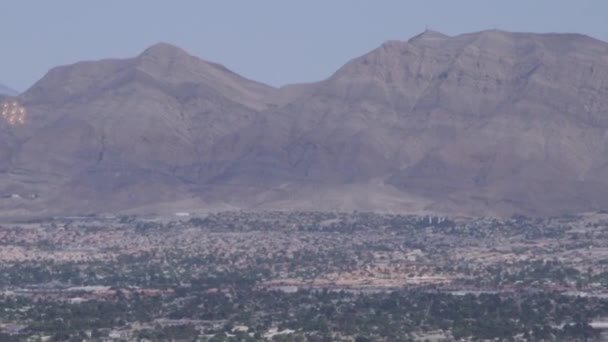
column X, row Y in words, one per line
column 298, row 276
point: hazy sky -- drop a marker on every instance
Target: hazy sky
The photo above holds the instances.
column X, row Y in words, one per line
column 273, row 41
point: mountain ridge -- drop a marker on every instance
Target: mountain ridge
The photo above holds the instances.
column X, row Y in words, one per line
column 491, row 123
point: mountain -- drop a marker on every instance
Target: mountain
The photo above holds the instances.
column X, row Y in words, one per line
column 4, row 90
column 484, row 123
column 487, row 123
column 109, row 134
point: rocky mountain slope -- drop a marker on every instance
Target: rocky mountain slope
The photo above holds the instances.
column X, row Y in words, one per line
column 488, row 123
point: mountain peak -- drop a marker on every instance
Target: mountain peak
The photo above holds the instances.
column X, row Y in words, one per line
column 171, row 63
column 164, row 50
column 429, row 35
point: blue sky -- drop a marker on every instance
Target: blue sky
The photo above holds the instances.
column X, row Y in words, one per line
column 273, row 41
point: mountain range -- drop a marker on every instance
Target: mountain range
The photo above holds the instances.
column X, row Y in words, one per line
column 489, row 123
column 4, row 90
